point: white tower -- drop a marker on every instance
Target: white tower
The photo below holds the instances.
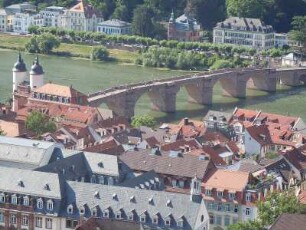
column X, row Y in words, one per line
column 36, row 75
column 19, row 72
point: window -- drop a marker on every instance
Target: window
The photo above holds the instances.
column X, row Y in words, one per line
column 25, row 220
column 168, row 222
column 26, row 201
column 231, row 196
column 38, row 222
column 93, row 179
column 48, row 223
column 236, row 208
column 226, row 220
column 248, row 197
column 235, row 220
column 14, row 199
column 2, row 198
column 220, row 194
column 155, row 220
column 208, row 192
column 131, row 216
column 106, row 213
column 118, row 215
column 40, row 203
column 219, row 207
column 13, row 219
column 247, row 211
column 180, row 223
column 143, row 219
column 50, row 205
column 218, row 220
column 94, row 212
column 82, row 210
column 228, row 207
column 70, row 209
column 101, row 179
column 211, row 219
column 1, row 217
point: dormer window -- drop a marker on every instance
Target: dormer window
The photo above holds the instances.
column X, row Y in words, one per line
column 208, row 192
column 143, row 218
column 26, row 201
column 131, row 216
column 50, row 205
column 101, row 179
column 40, row 203
column 14, row 199
column 168, row 221
column 106, row 213
column 231, row 196
column 220, row 194
column 70, row 209
column 180, row 223
column 94, row 212
column 93, row 179
column 82, row 210
column 118, row 214
column 155, row 219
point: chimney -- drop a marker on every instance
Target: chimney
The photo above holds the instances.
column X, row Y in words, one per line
column 186, row 121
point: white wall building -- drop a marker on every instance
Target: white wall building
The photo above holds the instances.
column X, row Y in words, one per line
column 81, row 17
column 114, row 27
column 280, row 40
column 52, row 16
column 250, row 32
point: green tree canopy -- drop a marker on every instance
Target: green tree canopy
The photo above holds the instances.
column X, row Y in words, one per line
column 99, row 53
column 143, row 21
column 298, row 33
column 43, row 43
column 143, row 120
column 245, row 8
column 39, row 123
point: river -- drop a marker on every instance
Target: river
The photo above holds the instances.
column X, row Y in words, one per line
column 89, row 76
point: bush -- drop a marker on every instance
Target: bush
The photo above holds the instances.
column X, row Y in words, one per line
column 99, row 53
column 44, row 43
column 221, row 64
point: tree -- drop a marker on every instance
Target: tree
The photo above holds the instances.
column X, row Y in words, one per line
column 250, row 225
column 143, row 120
column 298, row 33
column 245, row 8
column 276, row 204
column 39, row 123
column 44, row 43
column 143, row 21
column 2, row 133
column 99, row 53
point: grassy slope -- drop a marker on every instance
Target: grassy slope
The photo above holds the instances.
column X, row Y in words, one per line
column 18, row 42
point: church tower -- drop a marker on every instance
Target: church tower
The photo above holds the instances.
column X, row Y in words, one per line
column 36, row 75
column 19, row 72
column 171, row 27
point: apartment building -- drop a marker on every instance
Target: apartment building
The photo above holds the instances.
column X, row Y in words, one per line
column 249, row 32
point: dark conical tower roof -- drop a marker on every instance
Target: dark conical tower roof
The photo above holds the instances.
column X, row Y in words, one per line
column 36, row 68
column 19, row 66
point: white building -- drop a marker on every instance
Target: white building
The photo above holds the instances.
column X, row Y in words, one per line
column 280, row 40
column 52, row 16
column 114, row 27
column 22, row 22
column 250, row 32
column 81, row 17
column 3, row 20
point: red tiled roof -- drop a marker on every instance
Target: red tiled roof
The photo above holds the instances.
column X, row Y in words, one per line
column 297, row 158
column 177, row 145
column 289, row 222
column 260, row 133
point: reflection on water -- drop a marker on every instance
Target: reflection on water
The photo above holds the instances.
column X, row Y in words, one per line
column 91, row 76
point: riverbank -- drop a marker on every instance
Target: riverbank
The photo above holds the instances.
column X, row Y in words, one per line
column 17, row 42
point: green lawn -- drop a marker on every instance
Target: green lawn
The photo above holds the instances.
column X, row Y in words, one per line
column 76, row 50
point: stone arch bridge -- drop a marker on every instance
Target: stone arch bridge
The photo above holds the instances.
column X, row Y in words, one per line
column 122, row 99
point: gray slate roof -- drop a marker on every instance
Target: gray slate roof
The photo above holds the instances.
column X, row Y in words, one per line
column 24, row 153
column 185, row 165
column 115, row 23
column 180, row 205
column 33, row 183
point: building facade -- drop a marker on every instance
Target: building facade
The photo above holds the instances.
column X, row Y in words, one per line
column 249, row 32
column 52, row 16
column 81, row 17
column 114, row 27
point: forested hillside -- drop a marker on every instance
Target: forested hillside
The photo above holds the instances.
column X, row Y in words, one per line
column 278, row 13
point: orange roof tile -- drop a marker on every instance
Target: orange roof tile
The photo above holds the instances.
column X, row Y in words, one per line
column 227, row 180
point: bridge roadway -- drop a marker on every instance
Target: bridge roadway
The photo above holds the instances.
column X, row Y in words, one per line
column 122, row 99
